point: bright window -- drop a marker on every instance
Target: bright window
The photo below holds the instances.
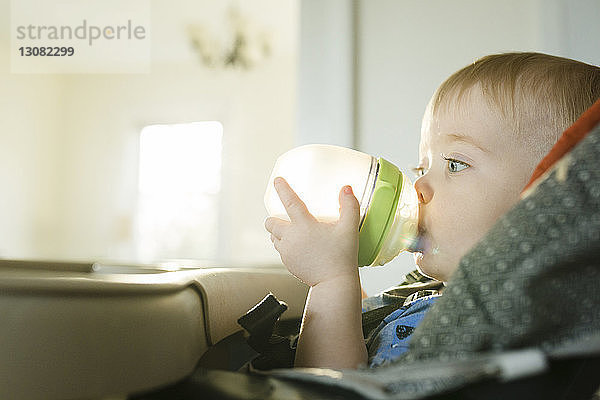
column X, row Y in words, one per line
column 179, row 184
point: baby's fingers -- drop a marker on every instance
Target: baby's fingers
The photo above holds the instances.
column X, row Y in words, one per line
column 276, row 226
column 294, row 206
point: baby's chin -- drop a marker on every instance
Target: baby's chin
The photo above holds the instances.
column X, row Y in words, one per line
column 435, row 266
column 424, row 263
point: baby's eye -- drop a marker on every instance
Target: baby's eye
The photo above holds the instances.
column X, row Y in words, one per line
column 455, row 165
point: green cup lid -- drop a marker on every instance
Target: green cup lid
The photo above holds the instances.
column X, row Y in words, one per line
column 380, row 214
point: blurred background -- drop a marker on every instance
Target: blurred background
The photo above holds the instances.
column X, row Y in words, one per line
column 173, row 163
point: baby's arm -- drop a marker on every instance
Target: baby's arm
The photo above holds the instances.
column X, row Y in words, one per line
column 325, row 257
column 331, row 333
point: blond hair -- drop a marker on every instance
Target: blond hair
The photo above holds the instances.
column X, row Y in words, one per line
column 537, row 95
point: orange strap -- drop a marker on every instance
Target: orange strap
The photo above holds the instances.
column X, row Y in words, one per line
column 568, row 140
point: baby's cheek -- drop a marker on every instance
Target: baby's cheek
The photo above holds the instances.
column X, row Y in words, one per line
column 466, row 229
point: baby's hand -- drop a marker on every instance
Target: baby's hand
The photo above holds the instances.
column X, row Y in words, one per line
column 316, row 251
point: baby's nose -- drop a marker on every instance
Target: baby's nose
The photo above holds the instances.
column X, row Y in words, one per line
column 424, row 190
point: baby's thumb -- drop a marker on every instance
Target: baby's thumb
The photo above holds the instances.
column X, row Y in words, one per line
column 349, row 208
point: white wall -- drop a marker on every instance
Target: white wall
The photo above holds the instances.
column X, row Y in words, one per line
column 29, row 117
column 406, row 48
column 326, row 73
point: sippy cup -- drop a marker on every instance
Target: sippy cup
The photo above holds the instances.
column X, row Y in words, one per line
column 388, row 201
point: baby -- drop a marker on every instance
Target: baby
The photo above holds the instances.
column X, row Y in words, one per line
column 483, row 132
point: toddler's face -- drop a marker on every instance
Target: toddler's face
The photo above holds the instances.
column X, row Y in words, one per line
column 472, row 171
